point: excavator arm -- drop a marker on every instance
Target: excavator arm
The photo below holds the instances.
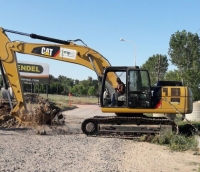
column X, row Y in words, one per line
column 66, row 51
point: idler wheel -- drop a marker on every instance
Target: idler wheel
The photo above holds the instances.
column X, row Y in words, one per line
column 89, row 127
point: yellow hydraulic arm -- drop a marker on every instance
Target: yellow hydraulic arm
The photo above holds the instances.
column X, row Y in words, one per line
column 65, row 51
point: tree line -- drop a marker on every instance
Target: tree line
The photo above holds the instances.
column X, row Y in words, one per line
column 64, row 85
column 184, row 54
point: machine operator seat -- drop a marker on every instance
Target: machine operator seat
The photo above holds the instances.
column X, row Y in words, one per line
column 122, row 97
column 121, row 100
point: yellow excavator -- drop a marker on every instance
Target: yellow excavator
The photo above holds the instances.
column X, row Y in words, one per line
column 139, row 98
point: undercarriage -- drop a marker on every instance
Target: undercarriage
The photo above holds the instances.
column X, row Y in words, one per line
column 129, row 126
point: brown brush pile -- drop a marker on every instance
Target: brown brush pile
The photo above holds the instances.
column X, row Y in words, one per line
column 40, row 112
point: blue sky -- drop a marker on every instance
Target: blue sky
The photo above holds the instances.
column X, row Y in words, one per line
column 101, row 24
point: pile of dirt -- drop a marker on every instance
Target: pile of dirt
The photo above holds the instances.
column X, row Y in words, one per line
column 6, row 120
column 40, row 111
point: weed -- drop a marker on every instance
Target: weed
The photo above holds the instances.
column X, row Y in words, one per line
column 176, row 142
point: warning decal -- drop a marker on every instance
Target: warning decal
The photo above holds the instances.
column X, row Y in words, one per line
column 68, row 53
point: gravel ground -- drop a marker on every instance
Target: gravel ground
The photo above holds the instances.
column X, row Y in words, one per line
column 24, row 150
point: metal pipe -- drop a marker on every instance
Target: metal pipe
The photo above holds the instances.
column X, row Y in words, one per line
column 3, row 76
column 9, row 99
column 16, row 32
column 35, row 36
column 6, row 85
column 93, row 65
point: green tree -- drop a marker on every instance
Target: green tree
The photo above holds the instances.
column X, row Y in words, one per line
column 76, row 81
column 66, row 84
column 173, row 75
column 86, row 83
column 184, row 52
column 157, row 66
column 90, row 80
column 55, row 87
column 96, row 84
column 52, row 79
column 75, row 90
column 70, row 82
column 42, row 88
column 79, row 90
column 184, row 49
column 92, row 91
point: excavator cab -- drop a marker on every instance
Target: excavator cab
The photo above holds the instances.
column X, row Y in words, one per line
column 140, row 97
column 137, row 88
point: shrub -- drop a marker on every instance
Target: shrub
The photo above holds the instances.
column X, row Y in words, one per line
column 176, row 142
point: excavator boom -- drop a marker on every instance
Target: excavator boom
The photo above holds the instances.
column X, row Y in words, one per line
column 66, row 51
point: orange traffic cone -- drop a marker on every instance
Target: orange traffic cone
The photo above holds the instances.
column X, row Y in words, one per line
column 69, row 102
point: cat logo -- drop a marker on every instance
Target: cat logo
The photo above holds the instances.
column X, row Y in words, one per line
column 51, row 51
column 46, row 51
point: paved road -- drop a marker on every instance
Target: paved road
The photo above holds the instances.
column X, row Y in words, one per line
column 85, row 111
column 75, row 117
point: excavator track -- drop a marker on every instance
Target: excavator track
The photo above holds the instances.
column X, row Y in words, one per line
column 126, row 127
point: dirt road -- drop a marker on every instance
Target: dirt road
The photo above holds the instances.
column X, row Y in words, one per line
column 24, row 150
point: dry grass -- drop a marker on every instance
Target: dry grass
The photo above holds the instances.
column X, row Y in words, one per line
column 64, row 101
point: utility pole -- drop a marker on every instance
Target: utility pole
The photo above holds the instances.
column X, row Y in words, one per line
column 159, row 65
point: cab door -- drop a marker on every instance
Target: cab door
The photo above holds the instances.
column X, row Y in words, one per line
column 138, row 88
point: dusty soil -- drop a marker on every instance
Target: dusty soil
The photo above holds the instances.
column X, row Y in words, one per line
column 65, row 148
column 40, row 111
